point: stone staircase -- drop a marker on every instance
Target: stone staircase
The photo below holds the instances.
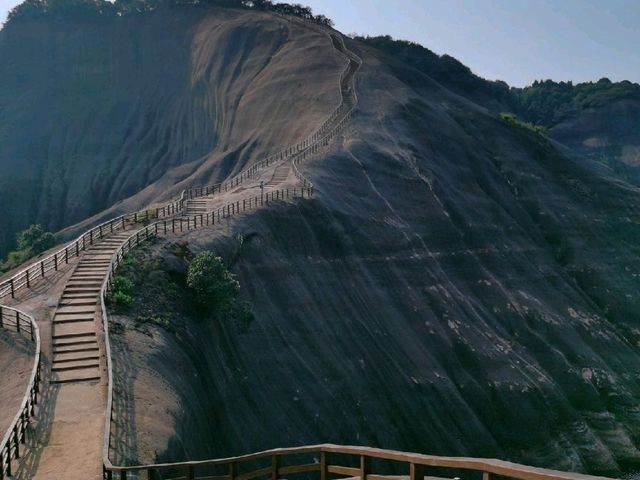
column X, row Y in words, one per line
column 280, row 174
column 76, row 322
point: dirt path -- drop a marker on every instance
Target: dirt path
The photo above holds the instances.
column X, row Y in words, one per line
column 67, row 435
column 16, row 363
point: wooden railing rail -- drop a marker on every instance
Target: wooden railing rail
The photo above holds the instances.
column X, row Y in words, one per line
column 286, row 461
column 19, row 322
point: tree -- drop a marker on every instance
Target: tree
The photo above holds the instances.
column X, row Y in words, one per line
column 214, row 286
column 35, row 239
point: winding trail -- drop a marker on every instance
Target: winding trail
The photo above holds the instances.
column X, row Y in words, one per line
column 68, row 438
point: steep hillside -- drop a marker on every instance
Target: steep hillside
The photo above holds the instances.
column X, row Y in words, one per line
column 597, row 120
column 94, row 110
column 457, row 286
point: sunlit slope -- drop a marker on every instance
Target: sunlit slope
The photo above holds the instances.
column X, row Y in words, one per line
column 94, row 111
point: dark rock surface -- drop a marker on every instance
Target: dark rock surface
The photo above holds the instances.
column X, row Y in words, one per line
column 457, row 286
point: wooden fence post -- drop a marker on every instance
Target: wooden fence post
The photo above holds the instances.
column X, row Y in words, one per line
column 365, row 466
column 324, row 472
column 416, row 472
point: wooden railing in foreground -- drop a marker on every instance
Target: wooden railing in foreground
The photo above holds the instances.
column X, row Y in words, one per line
column 19, row 322
column 334, row 461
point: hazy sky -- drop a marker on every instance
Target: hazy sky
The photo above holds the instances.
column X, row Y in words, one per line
column 514, row 40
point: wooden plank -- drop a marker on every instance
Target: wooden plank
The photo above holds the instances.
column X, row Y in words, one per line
column 261, row 472
column 291, row 469
column 344, row 471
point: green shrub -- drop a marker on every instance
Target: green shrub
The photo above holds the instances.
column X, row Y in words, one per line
column 514, row 120
column 31, row 242
column 122, row 284
column 36, row 239
column 121, row 294
column 121, row 299
column 215, row 288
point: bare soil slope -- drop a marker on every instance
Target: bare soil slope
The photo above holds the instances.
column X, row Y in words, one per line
column 93, row 112
column 457, row 286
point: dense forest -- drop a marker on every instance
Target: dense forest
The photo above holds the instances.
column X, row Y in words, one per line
column 96, row 8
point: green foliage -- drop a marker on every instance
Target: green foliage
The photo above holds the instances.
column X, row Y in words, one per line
column 122, row 290
column 545, row 103
column 31, row 9
column 122, row 284
column 215, row 288
column 442, row 68
column 549, row 103
column 514, row 120
column 36, row 239
column 161, row 319
column 121, row 300
column 31, row 242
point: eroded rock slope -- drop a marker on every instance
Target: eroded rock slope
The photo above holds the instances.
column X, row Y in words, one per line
column 457, row 286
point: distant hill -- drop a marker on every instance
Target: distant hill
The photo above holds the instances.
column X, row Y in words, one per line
column 598, row 120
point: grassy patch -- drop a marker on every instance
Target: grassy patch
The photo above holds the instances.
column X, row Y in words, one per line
column 511, row 119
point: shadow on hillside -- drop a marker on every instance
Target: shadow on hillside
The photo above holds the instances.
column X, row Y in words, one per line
column 39, row 430
column 123, row 448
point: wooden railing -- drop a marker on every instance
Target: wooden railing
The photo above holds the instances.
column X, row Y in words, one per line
column 52, row 263
column 311, row 144
column 23, row 324
column 333, row 461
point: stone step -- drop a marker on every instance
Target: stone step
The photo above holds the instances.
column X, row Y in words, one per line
column 63, row 329
column 74, row 365
column 76, row 310
column 78, row 321
column 94, row 290
column 78, row 301
column 81, row 284
column 67, row 357
column 84, row 375
column 69, row 296
column 81, row 347
column 80, row 336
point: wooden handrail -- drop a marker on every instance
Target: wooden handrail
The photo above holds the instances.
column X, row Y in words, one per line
column 16, row 433
column 415, row 464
